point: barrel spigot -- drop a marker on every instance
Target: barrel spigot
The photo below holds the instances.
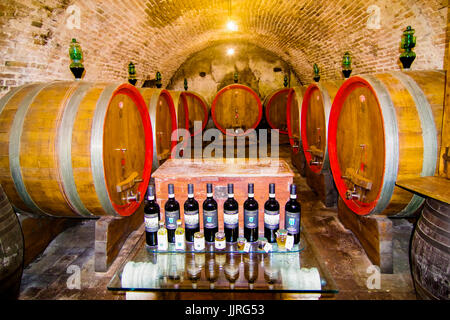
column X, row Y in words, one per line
column 131, row 197
column 315, row 162
column 352, row 194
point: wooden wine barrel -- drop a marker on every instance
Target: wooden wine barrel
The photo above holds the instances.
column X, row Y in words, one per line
column 293, row 112
column 195, row 106
column 238, row 108
column 275, row 109
column 163, row 116
column 385, row 127
column 314, row 119
column 430, row 251
column 11, row 250
column 68, row 148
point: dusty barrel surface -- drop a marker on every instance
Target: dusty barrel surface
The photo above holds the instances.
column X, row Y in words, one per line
column 163, row 118
column 383, row 128
column 314, row 119
column 194, row 106
column 293, row 112
column 11, row 250
column 430, row 251
column 275, row 109
column 75, row 148
column 238, row 108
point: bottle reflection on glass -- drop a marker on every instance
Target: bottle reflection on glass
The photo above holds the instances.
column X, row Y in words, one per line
column 172, row 214
column 210, row 216
column 251, row 269
column 212, row 271
column 231, row 269
column 191, row 216
column 271, row 215
column 231, row 216
column 271, row 271
column 251, row 215
column 292, row 215
column 193, row 270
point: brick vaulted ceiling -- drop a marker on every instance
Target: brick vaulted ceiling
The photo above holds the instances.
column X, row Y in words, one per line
column 162, row 34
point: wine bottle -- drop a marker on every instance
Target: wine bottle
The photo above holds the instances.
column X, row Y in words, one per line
column 292, row 215
column 210, row 217
column 151, row 218
column 231, row 216
column 191, row 219
column 172, row 214
column 251, row 216
column 271, row 216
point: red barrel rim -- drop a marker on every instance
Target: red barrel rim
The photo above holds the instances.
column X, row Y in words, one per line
column 205, row 111
column 288, row 120
column 267, row 107
column 236, row 86
column 358, row 207
column 303, row 135
column 134, row 94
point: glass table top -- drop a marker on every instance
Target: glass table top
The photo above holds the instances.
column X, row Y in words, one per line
column 293, row 271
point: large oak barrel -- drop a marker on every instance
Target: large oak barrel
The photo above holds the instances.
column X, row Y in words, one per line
column 293, row 112
column 385, row 127
column 430, row 251
column 236, row 107
column 197, row 110
column 275, row 109
column 66, row 147
column 314, row 119
column 163, row 116
column 11, row 250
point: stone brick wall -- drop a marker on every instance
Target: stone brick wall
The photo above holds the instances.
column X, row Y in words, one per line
column 163, row 34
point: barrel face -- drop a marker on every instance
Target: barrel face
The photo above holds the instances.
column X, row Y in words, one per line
column 430, row 252
column 293, row 111
column 11, row 250
column 198, row 111
column 236, row 107
column 382, row 129
column 163, row 116
column 54, row 154
column 275, row 110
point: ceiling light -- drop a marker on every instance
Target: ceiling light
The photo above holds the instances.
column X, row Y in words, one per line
column 232, row 26
column 230, row 51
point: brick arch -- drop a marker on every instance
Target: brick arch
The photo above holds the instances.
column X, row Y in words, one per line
column 160, row 35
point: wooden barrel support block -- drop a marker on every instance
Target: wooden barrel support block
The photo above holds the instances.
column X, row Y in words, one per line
column 322, row 183
column 383, row 128
column 236, row 108
column 293, row 113
column 275, row 109
column 64, row 146
column 11, row 250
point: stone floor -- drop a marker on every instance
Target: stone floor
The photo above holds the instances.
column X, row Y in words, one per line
column 48, row 276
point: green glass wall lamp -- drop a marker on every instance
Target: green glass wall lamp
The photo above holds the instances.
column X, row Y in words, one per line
column 158, row 79
column 408, row 42
column 132, row 73
column 286, row 82
column 236, row 77
column 316, row 73
column 76, row 55
column 347, row 65
column 185, row 84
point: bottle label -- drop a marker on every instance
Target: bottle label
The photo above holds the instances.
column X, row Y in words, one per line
column 191, row 219
column 179, row 241
column 292, row 223
column 199, row 243
column 163, row 243
column 251, row 219
column 220, row 244
column 230, row 218
column 151, row 223
column 271, row 219
column 171, row 219
column 210, row 219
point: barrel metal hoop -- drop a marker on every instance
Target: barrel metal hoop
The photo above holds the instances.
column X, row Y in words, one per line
column 5, row 99
column 14, row 148
column 326, row 109
column 431, row 241
column 390, row 128
column 97, row 164
column 64, row 147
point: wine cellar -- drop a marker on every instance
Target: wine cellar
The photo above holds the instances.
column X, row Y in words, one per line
column 224, row 150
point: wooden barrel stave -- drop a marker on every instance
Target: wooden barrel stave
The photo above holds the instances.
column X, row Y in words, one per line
column 430, row 251
column 11, row 250
column 275, row 109
column 392, row 108
column 56, row 144
column 236, row 108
